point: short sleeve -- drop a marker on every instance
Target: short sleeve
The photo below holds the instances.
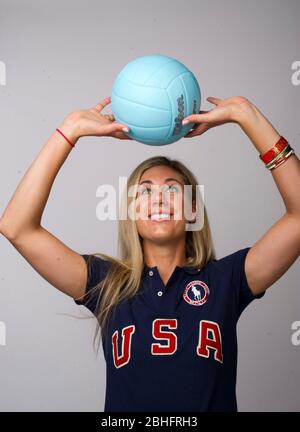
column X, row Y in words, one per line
column 97, row 269
column 244, row 293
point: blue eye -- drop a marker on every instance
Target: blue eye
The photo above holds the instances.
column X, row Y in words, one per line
column 175, row 187
column 169, row 188
column 145, row 189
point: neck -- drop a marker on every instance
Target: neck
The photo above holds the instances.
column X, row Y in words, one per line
column 164, row 256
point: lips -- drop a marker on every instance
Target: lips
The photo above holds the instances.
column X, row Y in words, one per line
column 160, row 216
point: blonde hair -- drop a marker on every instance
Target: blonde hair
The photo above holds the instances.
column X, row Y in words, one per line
column 123, row 277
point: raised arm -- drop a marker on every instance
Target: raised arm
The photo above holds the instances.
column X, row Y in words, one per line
column 20, row 223
column 273, row 254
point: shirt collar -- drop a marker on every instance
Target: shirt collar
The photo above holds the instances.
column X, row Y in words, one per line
column 187, row 269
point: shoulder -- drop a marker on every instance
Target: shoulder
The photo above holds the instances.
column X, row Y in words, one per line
column 230, row 261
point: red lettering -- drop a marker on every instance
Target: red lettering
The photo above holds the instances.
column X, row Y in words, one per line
column 209, row 338
column 157, row 333
column 214, row 342
column 124, row 357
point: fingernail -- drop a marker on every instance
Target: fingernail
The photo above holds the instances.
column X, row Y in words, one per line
column 184, row 122
column 125, row 129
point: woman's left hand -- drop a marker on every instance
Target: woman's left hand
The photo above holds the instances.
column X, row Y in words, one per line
column 226, row 111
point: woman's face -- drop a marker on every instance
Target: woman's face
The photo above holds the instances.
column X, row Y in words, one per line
column 160, row 205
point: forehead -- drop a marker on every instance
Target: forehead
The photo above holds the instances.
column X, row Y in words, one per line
column 158, row 174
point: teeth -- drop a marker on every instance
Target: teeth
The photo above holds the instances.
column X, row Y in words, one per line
column 158, row 216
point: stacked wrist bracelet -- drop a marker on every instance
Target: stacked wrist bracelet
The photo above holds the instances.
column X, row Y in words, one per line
column 278, row 154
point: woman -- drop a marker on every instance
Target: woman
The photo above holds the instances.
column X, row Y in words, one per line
column 167, row 308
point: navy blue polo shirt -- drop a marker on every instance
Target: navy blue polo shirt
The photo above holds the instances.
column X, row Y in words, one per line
column 173, row 347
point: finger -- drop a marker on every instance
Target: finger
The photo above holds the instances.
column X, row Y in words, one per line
column 121, row 136
column 113, row 127
column 198, row 131
column 102, row 104
column 214, row 100
column 110, row 117
column 197, row 118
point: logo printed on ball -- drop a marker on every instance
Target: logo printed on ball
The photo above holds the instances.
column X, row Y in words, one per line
column 180, row 117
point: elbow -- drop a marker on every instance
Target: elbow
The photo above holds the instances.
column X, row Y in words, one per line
column 6, row 231
column 2, row 226
column 14, row 234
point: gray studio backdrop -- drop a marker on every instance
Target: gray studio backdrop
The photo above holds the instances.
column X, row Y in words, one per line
column 57, row 57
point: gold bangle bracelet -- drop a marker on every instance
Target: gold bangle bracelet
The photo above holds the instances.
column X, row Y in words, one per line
column 282, row 153
column 283, row 160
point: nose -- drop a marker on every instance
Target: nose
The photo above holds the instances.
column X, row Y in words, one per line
column 160, row 200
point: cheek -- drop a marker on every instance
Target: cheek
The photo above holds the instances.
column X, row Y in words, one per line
column 177, row 205
column 143, row 228
column 139, row 227
column 141, row 209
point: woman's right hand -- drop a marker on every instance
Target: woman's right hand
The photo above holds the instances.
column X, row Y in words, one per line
column 91, row 122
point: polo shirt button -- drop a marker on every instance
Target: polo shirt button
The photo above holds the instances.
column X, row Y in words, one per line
column 159, row 293
column 150, row 273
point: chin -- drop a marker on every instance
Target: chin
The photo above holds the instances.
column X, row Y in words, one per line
column 162, row 240
column 162, row 237
column 161, row 232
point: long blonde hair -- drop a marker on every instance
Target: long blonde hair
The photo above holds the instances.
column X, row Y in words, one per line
column 123, row 277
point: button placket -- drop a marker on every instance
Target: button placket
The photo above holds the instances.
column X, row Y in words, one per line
column 159, row 293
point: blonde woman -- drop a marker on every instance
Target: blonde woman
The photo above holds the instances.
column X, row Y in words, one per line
column 167, row 308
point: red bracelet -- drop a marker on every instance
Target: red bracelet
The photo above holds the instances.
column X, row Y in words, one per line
column 274, row 151
column 73, row 145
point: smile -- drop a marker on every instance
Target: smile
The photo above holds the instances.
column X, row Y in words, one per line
column 160, row 216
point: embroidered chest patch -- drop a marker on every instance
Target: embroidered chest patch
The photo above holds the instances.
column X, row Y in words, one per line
column 196, row 293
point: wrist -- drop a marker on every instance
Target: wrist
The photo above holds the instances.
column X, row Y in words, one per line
column 256, row 126
column 245, row 112
column 69, row 127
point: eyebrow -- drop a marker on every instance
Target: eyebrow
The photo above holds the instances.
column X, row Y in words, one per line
column 166, row 180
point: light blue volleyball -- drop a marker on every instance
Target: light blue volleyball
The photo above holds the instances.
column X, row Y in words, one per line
column 152, row 94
